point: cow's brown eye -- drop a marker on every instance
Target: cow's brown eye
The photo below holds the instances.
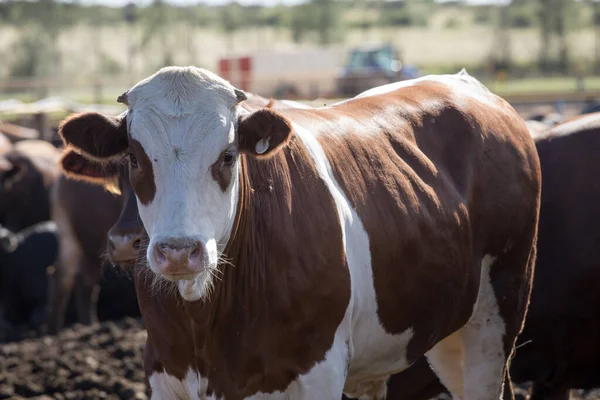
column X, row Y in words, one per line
column 133, row 160
column 228, row 159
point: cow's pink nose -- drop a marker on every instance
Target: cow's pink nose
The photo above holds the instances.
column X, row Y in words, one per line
column 178, row 259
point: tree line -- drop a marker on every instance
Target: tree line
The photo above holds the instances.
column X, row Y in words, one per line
column 316, row 21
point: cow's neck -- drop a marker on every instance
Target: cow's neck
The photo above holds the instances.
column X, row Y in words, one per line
column 224, row 320
column 267, row 300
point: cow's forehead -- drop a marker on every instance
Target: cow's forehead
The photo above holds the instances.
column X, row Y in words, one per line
column 182, row 91
column 179, row 107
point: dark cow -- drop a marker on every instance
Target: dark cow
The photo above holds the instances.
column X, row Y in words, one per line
column 84, row 212
column 302, row 253
column 559, row 348
column 27, row 173
column 24, row 260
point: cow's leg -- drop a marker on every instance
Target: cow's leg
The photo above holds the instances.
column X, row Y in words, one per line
column 490, row 335
column 61, row 278
column 446, row 359
column 486, row 360
column 368, row 389
column 61, row 281
column 472, row 362
column 86, row 293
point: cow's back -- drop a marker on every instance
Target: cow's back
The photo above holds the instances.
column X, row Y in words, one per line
column 440, row 175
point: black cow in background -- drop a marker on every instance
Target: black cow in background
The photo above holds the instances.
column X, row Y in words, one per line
column 25, row 258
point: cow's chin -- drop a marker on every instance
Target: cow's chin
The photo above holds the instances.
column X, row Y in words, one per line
column 197, row 288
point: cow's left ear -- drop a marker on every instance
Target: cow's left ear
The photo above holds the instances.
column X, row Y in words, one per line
column 263, row 132
column 98, row 136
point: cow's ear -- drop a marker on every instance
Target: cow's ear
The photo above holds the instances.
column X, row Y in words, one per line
column 262, row 132
column 78, row 167
column 99, row 136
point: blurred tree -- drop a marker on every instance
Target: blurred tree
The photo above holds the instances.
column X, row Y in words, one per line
column 502, row 44
column 156, row 22
column 560, row 15
column 554, row 17
column 301, row 22
column 404, row 13
column 596, row 24
column 328, row 21
column 545, row 33
column 232, row 19
column 131, row 16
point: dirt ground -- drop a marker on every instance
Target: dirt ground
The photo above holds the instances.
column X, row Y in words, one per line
column 102, row 361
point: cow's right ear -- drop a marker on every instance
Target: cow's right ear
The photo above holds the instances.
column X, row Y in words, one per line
column 99, row 136
column 78, row 167
column 263, row 132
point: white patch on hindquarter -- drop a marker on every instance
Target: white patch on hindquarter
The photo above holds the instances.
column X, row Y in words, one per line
column 483, row 335
column 471, row 361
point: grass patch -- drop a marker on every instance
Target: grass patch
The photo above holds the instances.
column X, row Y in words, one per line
column 543, row 85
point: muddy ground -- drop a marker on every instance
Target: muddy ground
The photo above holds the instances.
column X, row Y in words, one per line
column 102, row 361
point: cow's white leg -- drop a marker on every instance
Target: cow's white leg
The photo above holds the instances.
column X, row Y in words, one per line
column 368, row 389
column 165, row 386
column 482, row 336
column 447, row 360
column 471, row 362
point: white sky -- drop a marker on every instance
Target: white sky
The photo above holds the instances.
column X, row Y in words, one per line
column 245, row 2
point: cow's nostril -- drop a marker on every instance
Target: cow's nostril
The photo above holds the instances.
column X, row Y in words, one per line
column 160, row 255
column 136, row 244
column 195, row 254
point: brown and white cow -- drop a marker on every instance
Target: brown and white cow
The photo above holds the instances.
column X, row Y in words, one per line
column 304, row 253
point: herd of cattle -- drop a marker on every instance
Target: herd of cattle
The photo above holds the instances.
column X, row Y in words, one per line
column 104, row 199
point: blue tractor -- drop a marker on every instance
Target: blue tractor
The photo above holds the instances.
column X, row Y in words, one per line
column 368, row 67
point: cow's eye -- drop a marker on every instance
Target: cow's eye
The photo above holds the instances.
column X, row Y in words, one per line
column 133, row 160
column 228, row 159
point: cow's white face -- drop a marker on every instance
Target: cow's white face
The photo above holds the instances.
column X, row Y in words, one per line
column 184, row 169
column 183, row 133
